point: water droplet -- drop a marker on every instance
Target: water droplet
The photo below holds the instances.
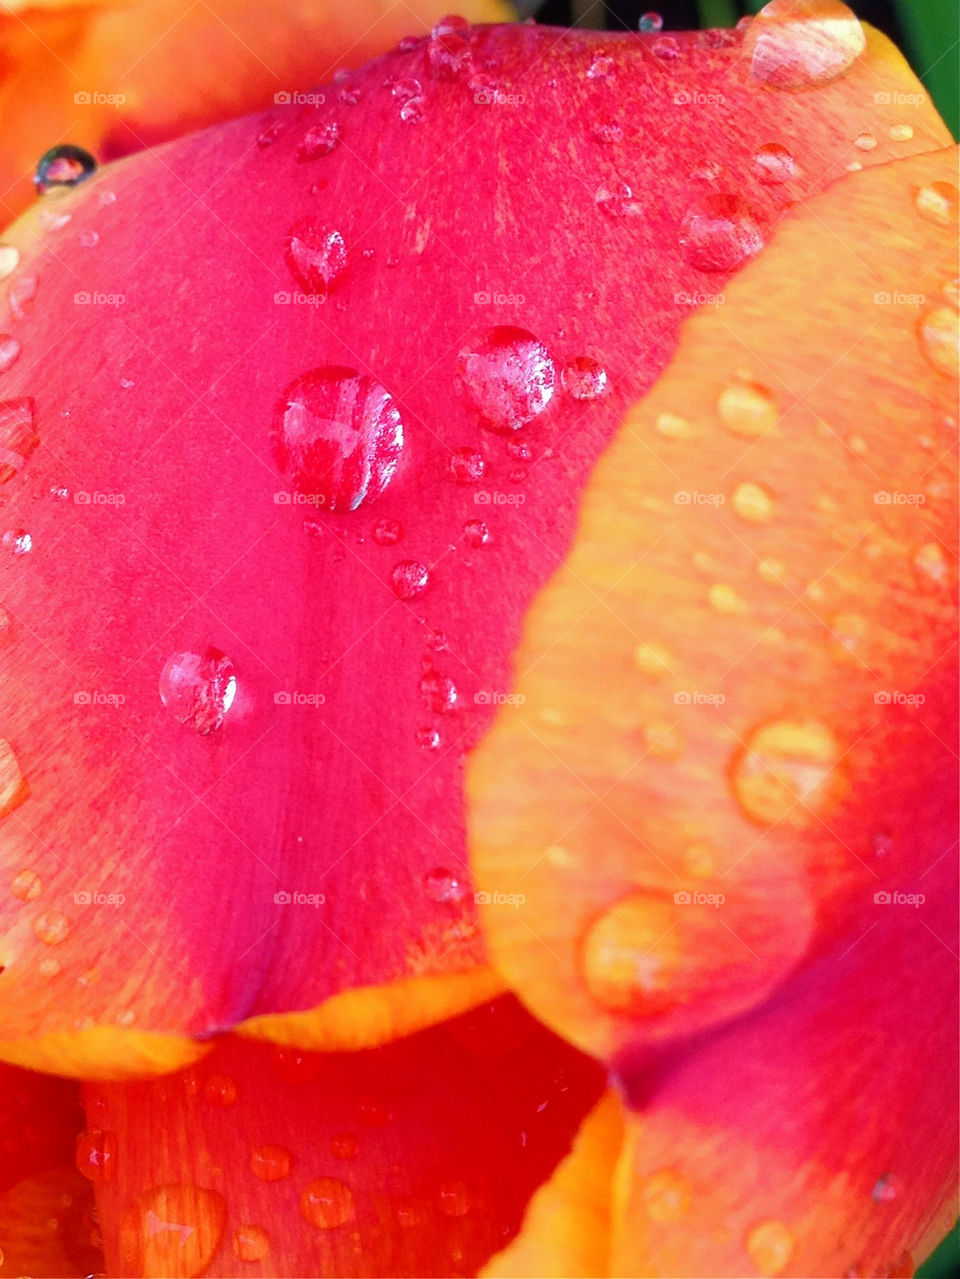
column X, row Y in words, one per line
column 343, row 1145
column 327, row 1203
column 9, row 260
column 9, row 351
column 519, row 449
column 89, row 239
column 51, row 928
column 63, row 166
column 439, row 692
column 584, row 378
column 455, row 1199
column 719, row 232
column 653, row 660
column 316, row 255
column 448, row 49
column 709, row 171
column 251, row 1243
column 606, row 131
column 18, row 541
column 442, row 885
column 428, row 739
column 407, row 88
column 21, row 293
column 673, row 426
column 770, row 1245
column 666, row 48
column 665, row 1195
column 786, row 771
column 319, row 141
column 773, row 163
column 650, row 22
column 467, row 466
column 339, row 437
column 602, row 67
column 412, row 112
column 476, row 533
column 901, row 132
column 939, row 332
column 198, row 689
column 48, row 967
column 409, row 578
column 508, row 377
column 437, row 641
column 18, row 440
column 270, row 1163
column 725, row 599
column 747, row 408
column 800, row 44
column 886, row 1189
column 220, row 1090
column 865, row 142
column 96, row 1155
column 269, row 136
column 387, row 532
column 616, row 201
column 172, row 1230
column 931, row 565
column 754, row 503
column 937, row 202
column 26, row 884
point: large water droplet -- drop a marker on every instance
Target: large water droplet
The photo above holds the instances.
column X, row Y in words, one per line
column 63, row 166
column 172, row 1230
column 319, row 141
column 938, row 202
column 584, row 378
column 773, row 163
column 198, row 689
column 787, row 771
column 448, row 49
column 770, row 1245
column 939, row 332
column 96, row 1155
column 339, row 437
column 316, row 255
column 719, row 232
column 508, row 377
column 409, row 579
column 18, row 440
column 800, row 44
column 327, row 1203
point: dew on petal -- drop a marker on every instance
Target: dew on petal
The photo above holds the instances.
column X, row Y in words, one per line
column 63, row 166
column 666, row 49
column 18, row 440
column 754, row 503
column 96, row 1155
column 477, row 533
column 616, row 200
column 507, row 377
column 251, row 1243
column 51, row 928
column 428, row 739
column 198, row 689
column 319, row 141
column 387, row 532
column 439, row 693
column 338, row 437
column 584, row 378
column 773, row 163
column 801, row 44
column 939, row 332
column 13, row 786
column 172, row 1230
column 650, row 23
column 719, row 232
column 409, row 578
column 9, row 260
column 9, row 351
column 666, row 1195
column 466, row 466
column 270, row 1163
column 442, row 885
column 26, row 885
column 938, row 202
column 747, row 408
column 652, row 659
column 316, row 256
column 787, row 771
column 770, row 1245
column 327, row 1203
column 17, row 541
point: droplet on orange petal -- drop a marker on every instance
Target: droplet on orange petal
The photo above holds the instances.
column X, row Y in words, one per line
column 747, row 408
column 785, row 771
column 801, row 44
column 327, row 1203
column 26, row 885
column 666, row 1195
column 270, row 1163
column 251, row 1243
column 13, row 785
column 939, row 331
column 770, row 1245
column 172, row 1231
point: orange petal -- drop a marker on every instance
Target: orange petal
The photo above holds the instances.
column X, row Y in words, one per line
column 737, row 693
column 414, row 1159
column 566, row 1228
column 115, row 77
column 819, row 1136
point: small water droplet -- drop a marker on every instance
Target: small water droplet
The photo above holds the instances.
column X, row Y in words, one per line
column 466, row 466
column 476, row 533
column 455, row 1199
column 407, row 88
column 448, row 49
column 650, row 22
column 666, row 1195
column 18, row 541
column 901, row 132
column 89, row 239
column 327, row 1203
column 800, row 44
column 316, row 255
column 18, row 440
column 251, row 1243
column 770, row 1245
column 603, row 67
column 786, row 771
column 269, row 136
column 412, row 112
column 754, row 503
column 96, row 1155
column 442, row 885
column 725, row 599
column 387, row 532
column 937, row 202
column 653, row 660
column 931, row 565
column 319, row 141
column 616, row 200
column 198, row 689
column 339, row 437
column 26, row 884
column 9, row 260
column 220, row 1090
column 719, row 232
column 343, row 1145
column 51, row 928
column 606, row 131
column 409, row 579
column 508, row 377
column 747, row 408
column 270, row 1163
column 666, row 48
column 886, row 1189
column 9, row 351
column 63, row 166
column 865, row 142
column 773, row 163
column 439, row 692
column 428, row 739
column 939, row 333
column 673, row 426
column 584, row 378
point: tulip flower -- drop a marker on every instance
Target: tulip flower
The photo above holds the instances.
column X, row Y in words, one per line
column 479, row 574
